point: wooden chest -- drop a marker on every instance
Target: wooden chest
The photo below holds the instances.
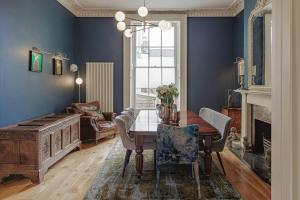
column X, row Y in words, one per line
column 235, row 114
column 31, row 147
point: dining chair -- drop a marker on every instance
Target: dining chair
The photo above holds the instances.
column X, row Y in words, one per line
column 222, row 124
column 130, row 114
column 132, row 110
column 177, row 145
column 128, row 141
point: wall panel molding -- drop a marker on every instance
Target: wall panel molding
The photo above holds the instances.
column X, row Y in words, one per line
column 231, row 11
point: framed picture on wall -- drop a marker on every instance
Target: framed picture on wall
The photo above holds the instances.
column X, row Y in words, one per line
column 57, row 66
column 36, row 61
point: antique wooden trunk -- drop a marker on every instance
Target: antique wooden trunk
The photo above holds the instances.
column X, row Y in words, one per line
column 30, row 148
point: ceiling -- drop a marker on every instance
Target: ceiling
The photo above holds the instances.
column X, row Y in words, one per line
column 157, row 5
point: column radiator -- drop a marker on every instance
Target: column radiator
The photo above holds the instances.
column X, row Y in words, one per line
column 100, row 84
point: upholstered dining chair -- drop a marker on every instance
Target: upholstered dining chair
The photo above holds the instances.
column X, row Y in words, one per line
column 177, row 145
column 131, row 115
column 133, row 111
column 128, row 141
column 222, row 124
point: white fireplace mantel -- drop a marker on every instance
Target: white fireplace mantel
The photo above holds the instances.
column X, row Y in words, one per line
column 249, row 98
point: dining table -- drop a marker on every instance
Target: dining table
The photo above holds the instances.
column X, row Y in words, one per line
column 146, row 123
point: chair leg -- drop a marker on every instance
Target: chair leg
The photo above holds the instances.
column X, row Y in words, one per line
column 196, row 173
column 158, row 182
column 220, row 160
column 126, row 161
column 154, row 160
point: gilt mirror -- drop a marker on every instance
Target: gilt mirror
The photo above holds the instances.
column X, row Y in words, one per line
column 259, row 46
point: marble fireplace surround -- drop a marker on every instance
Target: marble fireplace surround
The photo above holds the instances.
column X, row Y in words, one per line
column 255, row 105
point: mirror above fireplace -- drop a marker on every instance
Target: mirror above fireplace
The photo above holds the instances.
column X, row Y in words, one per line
column 259, row 46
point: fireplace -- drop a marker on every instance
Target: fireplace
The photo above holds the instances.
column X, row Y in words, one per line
column 261, row 127
column 262, row 130
column 256, row 125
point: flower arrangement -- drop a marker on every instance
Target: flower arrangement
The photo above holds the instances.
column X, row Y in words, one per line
column 167, row 94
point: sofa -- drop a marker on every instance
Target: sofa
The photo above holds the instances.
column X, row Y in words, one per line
column 94, row 124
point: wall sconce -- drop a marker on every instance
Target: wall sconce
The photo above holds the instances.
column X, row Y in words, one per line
column 73, row 68
column 78, row 80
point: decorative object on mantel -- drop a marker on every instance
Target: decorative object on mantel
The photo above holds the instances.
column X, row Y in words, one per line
column 167, row 95
column 36, row 61
column 142, row 12
column 241, row 71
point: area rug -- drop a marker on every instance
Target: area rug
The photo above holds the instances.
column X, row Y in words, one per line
column 176, row 181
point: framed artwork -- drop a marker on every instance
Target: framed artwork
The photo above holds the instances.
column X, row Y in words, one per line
column 36, row 61
column 57, row 66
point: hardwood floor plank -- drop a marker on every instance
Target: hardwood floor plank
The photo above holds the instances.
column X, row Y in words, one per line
column 72, row 176
column 243, row 179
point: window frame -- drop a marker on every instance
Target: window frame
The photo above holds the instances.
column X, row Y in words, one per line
column 176, row 65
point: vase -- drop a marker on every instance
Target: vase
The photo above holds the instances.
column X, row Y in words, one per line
column 173, row 114
column 165, row 114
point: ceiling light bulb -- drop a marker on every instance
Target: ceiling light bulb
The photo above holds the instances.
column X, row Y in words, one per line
column 121, row 26
column 143, row 11
column 79, row 81
column 128, row 33
column 164, row 25
column 120, row 16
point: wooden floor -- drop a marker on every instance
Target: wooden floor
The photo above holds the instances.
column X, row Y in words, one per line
column 73, row 175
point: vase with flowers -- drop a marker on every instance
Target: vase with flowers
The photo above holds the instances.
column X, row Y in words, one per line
column 167, row 95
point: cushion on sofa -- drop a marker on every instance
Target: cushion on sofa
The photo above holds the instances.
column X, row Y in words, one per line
column 100, row 125
column 83, row 107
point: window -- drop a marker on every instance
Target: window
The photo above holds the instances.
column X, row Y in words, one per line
column 155, row 62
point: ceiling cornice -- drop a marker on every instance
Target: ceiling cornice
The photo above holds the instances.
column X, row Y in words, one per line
column 234, row 9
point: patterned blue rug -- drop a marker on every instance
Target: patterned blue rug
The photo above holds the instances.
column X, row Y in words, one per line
column 176, row 181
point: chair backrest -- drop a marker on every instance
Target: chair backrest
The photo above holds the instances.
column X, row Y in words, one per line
column 132, row 110
column 219, row 121
column 177, row 145
column 122, row 125
column 130, row 114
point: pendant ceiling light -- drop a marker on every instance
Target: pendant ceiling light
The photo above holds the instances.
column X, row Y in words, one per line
column 143, row 13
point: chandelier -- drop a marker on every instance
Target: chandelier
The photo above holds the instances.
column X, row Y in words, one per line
column 144, row 25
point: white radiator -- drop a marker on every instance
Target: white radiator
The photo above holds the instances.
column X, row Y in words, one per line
column 100, row 84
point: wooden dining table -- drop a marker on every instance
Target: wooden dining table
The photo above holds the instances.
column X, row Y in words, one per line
column 146, row 124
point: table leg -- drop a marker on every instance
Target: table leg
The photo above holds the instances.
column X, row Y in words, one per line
column 207, row 157
column 139, row 158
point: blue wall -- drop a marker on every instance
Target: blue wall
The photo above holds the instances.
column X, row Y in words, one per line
column 210, row 61
column 213, row 43
column 24, row 24
column 238, row 35
column 98, row 40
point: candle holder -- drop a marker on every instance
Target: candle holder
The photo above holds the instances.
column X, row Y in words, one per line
column 241, row 71
column 242, row 84
column 253, row 79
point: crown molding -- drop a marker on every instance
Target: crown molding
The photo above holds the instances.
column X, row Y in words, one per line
column 234, row 9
